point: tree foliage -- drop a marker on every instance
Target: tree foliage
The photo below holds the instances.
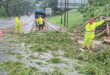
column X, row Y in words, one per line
column 48, row 3
column 52, row 3
column 95, row 7
column 15, row 7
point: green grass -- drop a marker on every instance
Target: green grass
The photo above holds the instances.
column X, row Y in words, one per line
column 18, row 68
column 56, row 60
column 74, row 18
column 97, row 63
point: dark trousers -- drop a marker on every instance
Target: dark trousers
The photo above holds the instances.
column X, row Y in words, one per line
column 40, row 27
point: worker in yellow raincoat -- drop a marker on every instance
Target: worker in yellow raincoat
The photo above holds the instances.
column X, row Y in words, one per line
column 40, row 23
column 18, row 26
column 90, row 32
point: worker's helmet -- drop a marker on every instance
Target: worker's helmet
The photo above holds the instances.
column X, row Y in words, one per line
column 91, row 20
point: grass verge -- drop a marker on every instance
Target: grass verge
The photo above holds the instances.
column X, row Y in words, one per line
column 75, row 18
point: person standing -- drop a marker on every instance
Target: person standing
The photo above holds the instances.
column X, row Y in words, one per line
column 18, row 26
column 40, row 23
column 90, row 32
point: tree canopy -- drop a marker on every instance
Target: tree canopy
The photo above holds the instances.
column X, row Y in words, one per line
column 15, row 7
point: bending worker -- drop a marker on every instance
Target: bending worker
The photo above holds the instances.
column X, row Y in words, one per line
column 18, row 27
column 90, row 32
column 40, row 23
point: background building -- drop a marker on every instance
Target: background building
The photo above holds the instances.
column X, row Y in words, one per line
column 72, row 3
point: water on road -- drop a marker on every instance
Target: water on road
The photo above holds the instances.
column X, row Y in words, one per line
column 11, row 49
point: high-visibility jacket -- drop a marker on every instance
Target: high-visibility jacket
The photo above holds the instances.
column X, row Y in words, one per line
column 90, row 33
column 40, row 21
column 18, row 22
column 90, row 28
column 18, row 26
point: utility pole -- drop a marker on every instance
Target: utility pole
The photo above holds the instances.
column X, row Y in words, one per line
column 65, row 13
column 61, row 6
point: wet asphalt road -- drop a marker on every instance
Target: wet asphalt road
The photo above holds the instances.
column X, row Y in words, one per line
column 4, row 23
